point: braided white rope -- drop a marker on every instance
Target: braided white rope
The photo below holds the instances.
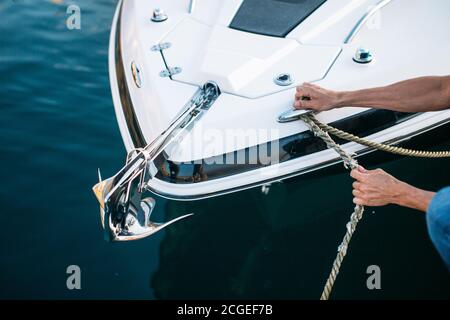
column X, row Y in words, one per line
column 379, row 146
column 349, row 163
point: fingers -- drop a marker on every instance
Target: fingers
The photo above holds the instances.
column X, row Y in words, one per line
column 305, row 97
column 302, row 95
column 308, row 85
column 357, row 185
column 303, row 104
column 359, row 201
column 358, row 194
column 357, row 175
column 313, row 97
column 302, row 98
column 304, row 90
column 370, row 187
column 304, row 85
column 362, row 169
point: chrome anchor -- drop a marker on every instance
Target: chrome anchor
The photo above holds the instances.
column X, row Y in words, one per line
column 124, row 212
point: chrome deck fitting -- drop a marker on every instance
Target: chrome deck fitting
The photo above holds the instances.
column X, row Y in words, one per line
column 363, row 56
column 159, row 15
column 291, row 115
column 283, row 79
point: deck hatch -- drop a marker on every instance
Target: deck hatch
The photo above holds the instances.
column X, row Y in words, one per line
column 273, row 17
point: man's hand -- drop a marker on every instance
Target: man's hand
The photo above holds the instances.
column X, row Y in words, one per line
column 310, row 96
column 376, row 188
column 415, row 95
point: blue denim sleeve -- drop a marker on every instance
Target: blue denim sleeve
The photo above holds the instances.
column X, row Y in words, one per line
column 438, row 223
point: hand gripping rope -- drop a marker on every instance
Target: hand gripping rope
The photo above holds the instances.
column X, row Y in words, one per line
column 322, row 131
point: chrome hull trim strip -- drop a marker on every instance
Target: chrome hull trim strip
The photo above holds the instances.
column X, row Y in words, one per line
column 131, row 119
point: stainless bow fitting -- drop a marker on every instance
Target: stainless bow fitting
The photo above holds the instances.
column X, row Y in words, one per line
column 291, row 115
column 124, row 212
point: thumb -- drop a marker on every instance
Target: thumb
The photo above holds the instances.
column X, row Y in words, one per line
column 362, row 169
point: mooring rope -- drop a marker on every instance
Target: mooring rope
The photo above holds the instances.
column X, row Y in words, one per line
column 379, row 146
column 349, row 163
column 322, row 131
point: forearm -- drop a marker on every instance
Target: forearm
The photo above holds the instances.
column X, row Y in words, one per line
column 412, row 197
column 415, row 95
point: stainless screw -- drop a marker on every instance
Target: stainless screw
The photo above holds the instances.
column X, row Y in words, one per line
column 159, row 15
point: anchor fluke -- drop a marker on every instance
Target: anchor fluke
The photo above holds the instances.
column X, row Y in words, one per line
column 124, row 214
column 139, row 225
column 100, row 190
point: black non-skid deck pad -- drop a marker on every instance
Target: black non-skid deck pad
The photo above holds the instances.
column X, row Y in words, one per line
column 273, row 17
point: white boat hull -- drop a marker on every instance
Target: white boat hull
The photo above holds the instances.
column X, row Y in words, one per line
column 250, row 101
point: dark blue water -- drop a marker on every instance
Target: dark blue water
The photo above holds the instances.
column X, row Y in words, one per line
column 57, row 126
